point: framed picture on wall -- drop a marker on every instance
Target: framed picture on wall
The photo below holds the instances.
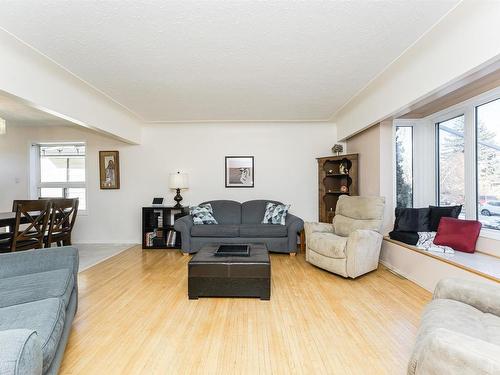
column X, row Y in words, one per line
column 109, row 169
column 240, row 171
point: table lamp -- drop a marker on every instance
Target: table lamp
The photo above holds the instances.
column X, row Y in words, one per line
column 178, row 181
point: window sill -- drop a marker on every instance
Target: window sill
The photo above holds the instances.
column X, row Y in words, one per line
column 490, row 233
column 482, row 264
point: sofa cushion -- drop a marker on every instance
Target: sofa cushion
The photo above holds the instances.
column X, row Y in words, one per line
column 218, row 230
column 437, row 212
column 202, row 214
column 226, row 212
column 410, row 238
column 21, row 352
column 327, row 244
column 253, row 211
column 457, row 317
column 36, row 286
column 46, row 317
column 344, row 225
column 458, row 234
column 412, row 219
column 275, row 213
column 262, row 230
column 460, row 317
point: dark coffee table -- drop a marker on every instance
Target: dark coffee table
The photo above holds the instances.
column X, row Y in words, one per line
column 230, row 276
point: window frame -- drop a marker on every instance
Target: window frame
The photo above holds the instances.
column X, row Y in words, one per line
column 469, row 109
column 410, row 125
column 38, row 184
column 437, row 121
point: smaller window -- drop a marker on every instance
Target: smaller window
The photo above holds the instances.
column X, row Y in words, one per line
column 488, row 164
column 62, row 172
column 404, row 166
column 451, row 162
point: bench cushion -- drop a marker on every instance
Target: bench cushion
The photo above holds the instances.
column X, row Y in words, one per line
column 46, row 317
column 263, row 230
column 215, row 230
column 36, row 286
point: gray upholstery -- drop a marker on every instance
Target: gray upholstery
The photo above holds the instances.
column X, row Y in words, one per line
column 460, row 330
column 252, row 212
column 21, row 352
column 46, row 317
column 263, row 230
column 38, row 293
column 226, row 212
column 215, row 230
column 350, row 246
column 36, row 286
column 278, row 238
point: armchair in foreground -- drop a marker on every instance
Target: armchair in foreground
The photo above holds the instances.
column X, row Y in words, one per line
column 349, row 247
column 460, row 330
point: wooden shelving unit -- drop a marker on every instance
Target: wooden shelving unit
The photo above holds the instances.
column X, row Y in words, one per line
column 332, row 179
column 157, row 222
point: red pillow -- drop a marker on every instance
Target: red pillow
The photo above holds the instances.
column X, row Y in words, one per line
column 460, row 235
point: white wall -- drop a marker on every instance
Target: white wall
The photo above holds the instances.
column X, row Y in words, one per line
column 37, row 80
column 464, row 41
column 285, row 169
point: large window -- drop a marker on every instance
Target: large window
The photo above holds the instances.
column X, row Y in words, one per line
column 62, row 171
column 404, row 166
column 488, row 163
column 451, row 162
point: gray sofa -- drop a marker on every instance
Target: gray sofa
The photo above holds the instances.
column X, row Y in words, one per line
column 38, row 301
column 240, row 223
column 460, row 330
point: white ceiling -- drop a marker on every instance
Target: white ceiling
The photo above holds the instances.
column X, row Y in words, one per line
column 223, row 60
column 17, row 112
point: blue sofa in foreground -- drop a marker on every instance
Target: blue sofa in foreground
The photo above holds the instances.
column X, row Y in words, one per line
column 38, row 301
column 240, row 223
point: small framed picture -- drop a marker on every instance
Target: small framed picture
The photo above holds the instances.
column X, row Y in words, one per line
column 240, row 171
column 109, row 169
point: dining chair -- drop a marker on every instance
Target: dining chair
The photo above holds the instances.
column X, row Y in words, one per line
column 62, row 221
column 33, row 216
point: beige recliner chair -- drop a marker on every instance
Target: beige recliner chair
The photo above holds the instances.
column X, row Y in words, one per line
column 351, row 245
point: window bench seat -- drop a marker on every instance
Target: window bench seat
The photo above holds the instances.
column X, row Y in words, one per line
column 426, row 268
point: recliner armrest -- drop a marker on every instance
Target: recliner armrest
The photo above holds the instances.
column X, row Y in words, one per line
column 363, row 251
column 482, row 296
column 449, row 352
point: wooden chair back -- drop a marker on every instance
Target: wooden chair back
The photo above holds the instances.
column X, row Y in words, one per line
column 34, row 214
column 62, row 220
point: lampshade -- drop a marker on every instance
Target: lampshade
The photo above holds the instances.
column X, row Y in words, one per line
column 178, row 181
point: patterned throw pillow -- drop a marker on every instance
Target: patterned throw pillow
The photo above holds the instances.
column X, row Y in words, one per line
column 202, row 214
column 275, row 213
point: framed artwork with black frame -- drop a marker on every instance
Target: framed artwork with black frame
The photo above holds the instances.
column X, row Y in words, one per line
column 240, row 172
column 109, row 169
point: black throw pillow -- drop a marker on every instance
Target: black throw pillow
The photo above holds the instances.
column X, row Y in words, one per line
column 445, row 211
column 412, row 220
column 410, row 238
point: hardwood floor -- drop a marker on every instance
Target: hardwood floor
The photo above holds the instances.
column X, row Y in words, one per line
column 134, row 317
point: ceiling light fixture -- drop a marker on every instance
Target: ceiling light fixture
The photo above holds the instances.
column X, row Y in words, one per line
column 3, row 126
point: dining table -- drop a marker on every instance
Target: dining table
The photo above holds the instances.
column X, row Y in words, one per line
column 7, row 219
